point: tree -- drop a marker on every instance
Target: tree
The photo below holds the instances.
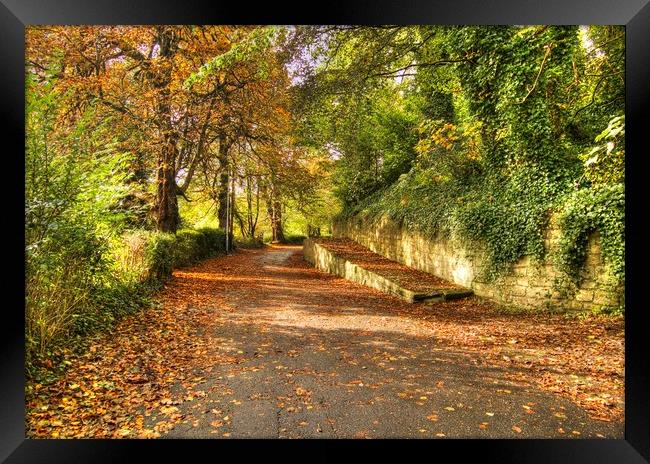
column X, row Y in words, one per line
column 141, row 74
column 475, row 131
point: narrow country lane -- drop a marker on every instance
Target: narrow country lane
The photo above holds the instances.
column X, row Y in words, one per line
column 492, row 156
column 300, row 353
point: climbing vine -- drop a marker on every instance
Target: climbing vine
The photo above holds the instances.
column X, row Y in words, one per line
column 503, row 120
column 599, row 206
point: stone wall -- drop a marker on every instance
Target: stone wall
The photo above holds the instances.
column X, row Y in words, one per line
column 327, row 261
column 529, row 284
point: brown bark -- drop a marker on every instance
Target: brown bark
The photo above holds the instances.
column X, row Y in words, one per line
column 167, row 217
column 224, row 179
column 276, row 225
column 252, row 219
column 231, row 220
column 249, row 226
column 274, row 212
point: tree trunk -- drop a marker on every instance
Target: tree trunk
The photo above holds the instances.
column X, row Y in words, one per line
column 243, row 228
column 274, row 212
column 231, row 220
column 167, row 217
column 224, row 179
column 253, row 218
column 278, row 233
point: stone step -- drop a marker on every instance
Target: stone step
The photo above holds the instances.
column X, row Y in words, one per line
column 348, row 259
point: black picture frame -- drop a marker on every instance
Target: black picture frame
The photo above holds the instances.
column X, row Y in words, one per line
column 15, row 15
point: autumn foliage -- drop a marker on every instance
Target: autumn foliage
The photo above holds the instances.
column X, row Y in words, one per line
column 151, row 150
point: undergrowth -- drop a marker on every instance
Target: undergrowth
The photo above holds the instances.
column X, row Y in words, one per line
column 79, row 286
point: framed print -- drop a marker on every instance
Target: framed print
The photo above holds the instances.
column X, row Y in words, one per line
column 361, row 221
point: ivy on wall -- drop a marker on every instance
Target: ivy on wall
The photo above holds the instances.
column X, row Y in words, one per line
column 511, row 145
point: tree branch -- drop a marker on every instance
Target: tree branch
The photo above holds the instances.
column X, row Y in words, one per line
column 419, row 65
column 539, row 73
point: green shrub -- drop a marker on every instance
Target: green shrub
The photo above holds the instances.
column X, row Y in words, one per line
column 144, row 257
column 159, row 256
column 250, row 242
column 188, row 247
column 77, row 284
column 194, row 245
column 599, row 208
column 294, row 238
column 128, row 256
column 212, row 242
column 62, row 271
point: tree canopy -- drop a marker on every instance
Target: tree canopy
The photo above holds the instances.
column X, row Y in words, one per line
column 481, row 132
column 138, row 137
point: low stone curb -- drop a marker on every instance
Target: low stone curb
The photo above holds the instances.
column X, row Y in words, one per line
column 327, row 261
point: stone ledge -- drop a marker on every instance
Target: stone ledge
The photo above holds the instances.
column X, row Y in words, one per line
column 437, row 256
column 327, row 261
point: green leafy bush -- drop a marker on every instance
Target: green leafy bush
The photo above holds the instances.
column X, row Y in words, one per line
column 212, row 241
column 250, row 242
column 188, row 247
column 62, row 272
column 294, row 238
column 144, row 257
column 194, row 245
column 601, row 208
column 159, row 255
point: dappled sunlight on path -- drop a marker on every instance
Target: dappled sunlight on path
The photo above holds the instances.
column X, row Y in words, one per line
column 272, row 304
column 260, row 344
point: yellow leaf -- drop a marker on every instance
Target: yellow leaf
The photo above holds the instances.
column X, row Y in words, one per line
column 168, row 409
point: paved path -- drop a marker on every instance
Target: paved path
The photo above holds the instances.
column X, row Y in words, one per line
column 316, row 356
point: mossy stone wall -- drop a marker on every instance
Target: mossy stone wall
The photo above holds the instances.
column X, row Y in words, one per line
column 530, row 283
